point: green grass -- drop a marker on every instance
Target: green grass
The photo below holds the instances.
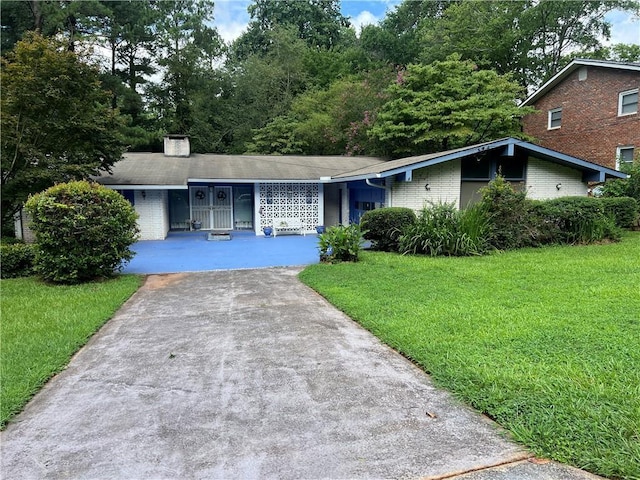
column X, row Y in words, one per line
column 44, row 325
column 544, row 341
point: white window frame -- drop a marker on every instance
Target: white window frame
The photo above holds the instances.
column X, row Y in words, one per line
column 619, row 154
column 550, row 115
column 621, row 96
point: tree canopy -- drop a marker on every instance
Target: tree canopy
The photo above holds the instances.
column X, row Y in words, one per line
column 447, row 104
column 56, row 123
column 298, row 79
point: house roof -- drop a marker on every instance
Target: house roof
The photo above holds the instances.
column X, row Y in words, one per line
column 151, row 170
column 156, row 169
column 505, row 146
column 571, row 67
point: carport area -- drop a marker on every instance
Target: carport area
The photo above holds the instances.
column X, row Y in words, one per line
column 193, row 252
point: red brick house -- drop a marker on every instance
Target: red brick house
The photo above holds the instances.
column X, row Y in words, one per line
column 589, row 110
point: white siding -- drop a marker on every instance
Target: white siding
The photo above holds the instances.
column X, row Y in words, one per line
column 153, row 211
column 542, row 178
column 444, row 187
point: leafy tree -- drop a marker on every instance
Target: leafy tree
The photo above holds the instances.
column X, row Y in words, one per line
column 489, row 33
column 556, row 28
column 187, row 46
column 334, row 121
column 318, row 23
column 399, row 37
column 83, row 231
column 446, row 105
column 265, row 85
column 532, row 40
column 56, row 122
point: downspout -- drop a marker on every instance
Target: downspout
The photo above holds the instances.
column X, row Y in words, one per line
column 387, row 195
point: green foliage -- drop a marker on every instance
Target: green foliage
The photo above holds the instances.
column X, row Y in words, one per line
column 318, row 23
column 56, row 123
column 384, row 226
column 43, row 325
column 340, row 244
column 326, row 122
column 17, row 260
column 624, row 210
column 625, row 187
column 506, row 211
column 83, row 231
column 445, row 105
column 442, row 229
column 527, row 39
column 574, row 220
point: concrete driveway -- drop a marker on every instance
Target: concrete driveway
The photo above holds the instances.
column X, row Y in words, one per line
column 249, row 374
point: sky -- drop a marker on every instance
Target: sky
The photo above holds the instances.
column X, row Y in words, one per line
column 231, row 18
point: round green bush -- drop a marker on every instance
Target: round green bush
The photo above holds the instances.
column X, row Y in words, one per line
column 83, row 231
column 17, row 259
column 384, row 226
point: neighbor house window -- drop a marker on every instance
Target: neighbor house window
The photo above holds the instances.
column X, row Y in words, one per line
column 624, row 156
column 555, row 118
column 628, row 102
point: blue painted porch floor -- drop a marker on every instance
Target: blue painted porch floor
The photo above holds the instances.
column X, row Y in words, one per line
column 192, row 252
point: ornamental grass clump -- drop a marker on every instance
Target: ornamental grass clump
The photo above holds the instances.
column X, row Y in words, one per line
column 83, row 231
column 442, row 229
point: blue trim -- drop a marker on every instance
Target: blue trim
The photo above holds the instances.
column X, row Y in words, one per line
column 511, row 145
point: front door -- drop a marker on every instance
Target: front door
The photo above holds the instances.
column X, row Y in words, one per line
column 222, row 209
column 212, row 207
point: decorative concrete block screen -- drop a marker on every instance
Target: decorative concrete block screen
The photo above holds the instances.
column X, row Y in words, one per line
column 288, row 200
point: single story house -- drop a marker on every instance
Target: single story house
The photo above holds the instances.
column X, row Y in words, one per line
column 176, row 190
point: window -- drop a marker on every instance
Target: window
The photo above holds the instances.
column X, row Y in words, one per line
column 485, row 168
column 624, row 156
column 555, row 118
column 628, row 102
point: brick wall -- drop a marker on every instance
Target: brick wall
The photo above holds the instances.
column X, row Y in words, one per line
column 543, row 178
column 444, row 186
column 591, row 128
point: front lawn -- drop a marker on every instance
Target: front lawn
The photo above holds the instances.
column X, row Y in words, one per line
column 545, row 341
column 44, row 325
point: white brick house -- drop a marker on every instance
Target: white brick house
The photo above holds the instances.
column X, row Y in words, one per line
column 181, row 191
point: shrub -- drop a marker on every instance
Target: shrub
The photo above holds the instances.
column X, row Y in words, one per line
column 628, row 187
column 571, row 220
column 341, row 244
column 507, row 214
column 444, row 230
column 384, row 226
column 83, row 231
column 624, row 210
column 17, row 259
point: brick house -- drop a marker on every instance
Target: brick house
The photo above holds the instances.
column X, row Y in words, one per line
column 589, row 110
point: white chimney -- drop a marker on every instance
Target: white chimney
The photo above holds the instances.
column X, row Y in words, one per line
column 176, row 146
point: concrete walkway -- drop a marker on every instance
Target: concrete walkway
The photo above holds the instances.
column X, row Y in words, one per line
column 249, row 374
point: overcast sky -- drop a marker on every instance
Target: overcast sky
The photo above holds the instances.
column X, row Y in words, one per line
column 231, row 18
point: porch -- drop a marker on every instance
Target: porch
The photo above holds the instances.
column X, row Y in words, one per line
column 193, row 252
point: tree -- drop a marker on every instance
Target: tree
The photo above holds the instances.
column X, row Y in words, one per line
column 400, row 36
column 187, row 47
column 530, row 39
column 318, row 23
column 56, row 122
column 447, row 105
column 334, row 121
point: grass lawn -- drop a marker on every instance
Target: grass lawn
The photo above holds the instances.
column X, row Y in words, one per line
column 44, row 325
column 544, row 341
